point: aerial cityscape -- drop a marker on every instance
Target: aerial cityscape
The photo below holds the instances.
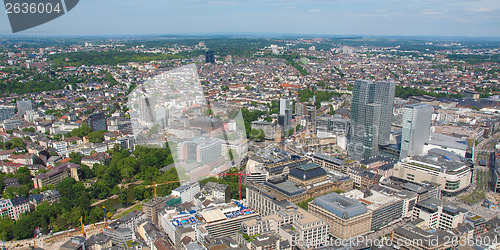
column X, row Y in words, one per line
column 255, row 138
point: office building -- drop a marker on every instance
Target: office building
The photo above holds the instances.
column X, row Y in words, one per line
column 330, row 163
column 424, row 190
column 477, row 222
column 6, row 112
column 187, row 191
column 416, row 129
column 438, row 166
column 56, row 175
column 416, row 235
column 386, row 209
column 152, row 207
column 119, row 236
column 459, row 146
column 147, row 113
column 298, row 226
column 218, row 225
column 218, row 193
column 200, row 150
column 97, row 122
column 13, row 208
column 496, row 176
column 23, row 106
column 300, row 109
column 347, row 218
column 209, row 150
column 371, row 117
column 10, row 124
column 285, row 114
column 209, row 57
column 363, row 178
column 98, row 241
column 335, row 124
column 438, row 214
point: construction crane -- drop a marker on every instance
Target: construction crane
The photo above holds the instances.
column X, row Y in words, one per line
column 105, row 219
column 239, row 180
column 159, row 184
column 83, row 227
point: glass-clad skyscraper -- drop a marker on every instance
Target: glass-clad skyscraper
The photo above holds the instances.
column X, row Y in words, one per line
column 416, row 129
column 371, row 117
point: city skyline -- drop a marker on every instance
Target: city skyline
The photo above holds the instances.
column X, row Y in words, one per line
column 469, row 18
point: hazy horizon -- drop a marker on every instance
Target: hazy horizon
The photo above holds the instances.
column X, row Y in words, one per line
column 426, row 18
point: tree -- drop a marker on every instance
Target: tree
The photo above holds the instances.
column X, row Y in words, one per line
column 82, row 131
column 139, row 193
column 123, row 196
column 86, row 172
column 97, row 136
column 23, row 175
column 257, row 134
column 75, row 157
column 6, row 228
column 65, row 187
column 16, row 142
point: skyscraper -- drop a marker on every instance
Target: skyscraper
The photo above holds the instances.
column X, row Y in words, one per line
column 384, row 95
column 209, row 57
column 416, row 129
column 371, row 117
column 97, row 122
column 23, row 106
column 147, row 111
column 285, row 114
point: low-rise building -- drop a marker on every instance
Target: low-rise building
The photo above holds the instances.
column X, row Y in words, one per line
column 14, row 207
column 56, row 175
column 415, row 235
column 330, row 163
column 438, row 214
column 187, row 191
column 453, row 176
column 386, row 209
column 346, row 217
column 363, row 178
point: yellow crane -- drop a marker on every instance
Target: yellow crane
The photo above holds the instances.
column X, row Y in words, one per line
column 159, row 184
column 83, row 227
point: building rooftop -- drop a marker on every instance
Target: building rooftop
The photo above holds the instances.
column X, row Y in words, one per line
column 288, row 188
column 448, row 141
column 439, row 162
column 429, row 237
column 307, row 171
column 330, row 159
column 374, row 200
column 339, row 205
column 432, row 205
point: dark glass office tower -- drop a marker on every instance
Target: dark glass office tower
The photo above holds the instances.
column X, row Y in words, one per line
column 209, row 57
column 371, row 117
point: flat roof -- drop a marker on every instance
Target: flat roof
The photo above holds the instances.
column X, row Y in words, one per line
column 213, row 215
column 340, row 205
column 287, row 187
column 448, row 141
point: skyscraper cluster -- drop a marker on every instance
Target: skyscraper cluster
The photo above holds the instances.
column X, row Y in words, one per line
column 371, row 117
column 285, row 114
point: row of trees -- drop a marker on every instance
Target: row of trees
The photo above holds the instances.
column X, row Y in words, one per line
column 106, row 58
column 405, row 92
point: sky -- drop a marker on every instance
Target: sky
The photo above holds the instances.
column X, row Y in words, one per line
column 470, row 18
